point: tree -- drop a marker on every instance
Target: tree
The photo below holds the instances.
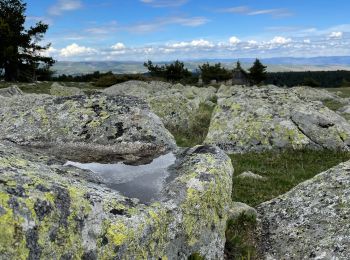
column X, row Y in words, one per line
column 257, row 72
column 175, row 71
column 214, row 72
column 20, row 53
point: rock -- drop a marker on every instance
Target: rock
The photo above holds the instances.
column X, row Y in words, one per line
column 311, row 221
column 239, row 209
column 81, row 128
column 250, row 175
column 48, row 211
column 316, row 94
column 63, row 91
column 176, row 105
column 11, row 91
column 254, row 119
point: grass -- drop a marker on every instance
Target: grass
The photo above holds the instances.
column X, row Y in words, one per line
column 283, row 171
column 199, row 128
column 342, row 92
column 240, row 238
column 333, row 104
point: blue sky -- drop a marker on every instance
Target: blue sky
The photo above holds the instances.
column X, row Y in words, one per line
column 192, row 29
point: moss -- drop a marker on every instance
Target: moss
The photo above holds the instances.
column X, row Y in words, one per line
column 117, row 233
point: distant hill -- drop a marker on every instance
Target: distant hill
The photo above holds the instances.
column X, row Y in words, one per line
column 274, row 65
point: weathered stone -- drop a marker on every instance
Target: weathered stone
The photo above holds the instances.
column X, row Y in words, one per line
column 311, row 221
column 265, row 118
column 238, row 209
column 63, row 91
column 250, row 175
column 65, row 216
column 85, row 129
column 176, row 105
column 11, row 91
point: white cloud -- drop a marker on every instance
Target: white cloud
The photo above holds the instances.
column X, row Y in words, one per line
column 118, row 46
column 195, row 43
column 62, row 6
column 234, row 40
column 158, row 24
column 280, row 40
column 336, row 35
column 307, row 41
column 252, row 42
column 76, row 50
column 280, row 12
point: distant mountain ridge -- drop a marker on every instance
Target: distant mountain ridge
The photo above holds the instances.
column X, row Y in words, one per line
column 274, row 65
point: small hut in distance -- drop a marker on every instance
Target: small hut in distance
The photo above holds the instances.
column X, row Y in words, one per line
column 240, row 76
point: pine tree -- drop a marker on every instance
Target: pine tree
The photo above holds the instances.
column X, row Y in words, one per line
column 20, row 52
column 257, row 72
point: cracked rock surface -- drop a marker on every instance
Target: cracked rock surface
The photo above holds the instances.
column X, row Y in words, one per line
column 311, row 221
column 265, row 118
column 85, row 128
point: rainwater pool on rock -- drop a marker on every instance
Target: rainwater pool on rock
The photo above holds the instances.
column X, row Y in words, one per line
column 144, row 182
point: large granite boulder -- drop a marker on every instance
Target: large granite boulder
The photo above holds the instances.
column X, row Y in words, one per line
column 82, row 128
column 265, row 118
column 51, row 211
column 176, row 105
column 311, row 221
column 64, row 91
column 11, row 91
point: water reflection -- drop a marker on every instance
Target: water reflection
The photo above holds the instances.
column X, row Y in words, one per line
column 142, row 181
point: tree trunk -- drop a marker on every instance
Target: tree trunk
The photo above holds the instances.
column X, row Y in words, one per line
column 11, row 72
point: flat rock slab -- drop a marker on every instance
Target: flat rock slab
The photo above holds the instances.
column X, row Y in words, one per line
column 254, row 119
column 11, row 91
column 175, row 104
column 311, row 221
column 96, row 128
column 49, row 211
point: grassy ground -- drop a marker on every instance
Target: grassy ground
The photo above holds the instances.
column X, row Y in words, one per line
column 342, row 92
column 333, row 104
column 283, row 171
column 199, row 129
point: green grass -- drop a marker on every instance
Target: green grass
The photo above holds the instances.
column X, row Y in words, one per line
column 333, row 104
column 342, row 92
column 283, row 171
column 240, row 238
column 199, row 128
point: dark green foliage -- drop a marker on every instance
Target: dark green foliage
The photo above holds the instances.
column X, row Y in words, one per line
column 240, row 238
column 174, row 72
column 214, row 72
column 20, row 53
column 195, row 256
column 283, row 170
column 112, row 79
column 311, row 82
column 257, row 73
column 325, row 79
column 333, row 104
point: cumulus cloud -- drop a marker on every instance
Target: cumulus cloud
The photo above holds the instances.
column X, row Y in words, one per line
column 76, row 50
column 195, row 43
column 280, row 40
column 234, row 40
column 62, row 6
column 336, row 35
column 118, row 46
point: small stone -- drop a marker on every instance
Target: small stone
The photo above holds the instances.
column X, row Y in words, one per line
column 250, row 175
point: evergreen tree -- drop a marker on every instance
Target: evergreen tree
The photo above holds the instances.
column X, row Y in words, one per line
column 257, row 72
column 20, row 52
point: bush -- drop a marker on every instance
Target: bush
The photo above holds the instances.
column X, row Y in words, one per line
column 214, row 72
column 112, row 79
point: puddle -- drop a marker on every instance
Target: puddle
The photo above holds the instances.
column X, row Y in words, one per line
column 144, row 182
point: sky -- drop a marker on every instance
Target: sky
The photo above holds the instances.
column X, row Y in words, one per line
column 162, row 30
